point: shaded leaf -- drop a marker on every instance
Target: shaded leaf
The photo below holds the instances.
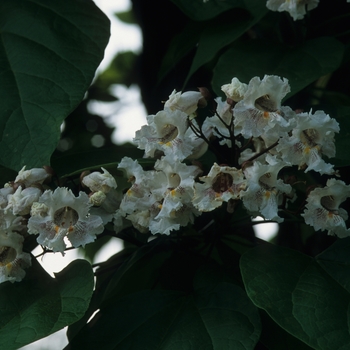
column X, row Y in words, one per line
column 217, row 315
column 40, row 305
column 301, row 65
column 48, row 57
column 299, row 295
column 221, row 32
column 200, row 11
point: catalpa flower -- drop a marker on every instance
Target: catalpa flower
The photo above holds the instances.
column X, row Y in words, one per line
column 219, row 129
column 312, row 137
column 220, row 185
column 264, row 190
column 177, row 192
column 100, row 182
column 13, row 260
column 21, row 201
column 186, row 102
column 143, row 184
column 166, row 131
column 32, row 176
column 323, row 211
column 60, row 214
column 235, row 90
column 296, row 8
column 260, row 111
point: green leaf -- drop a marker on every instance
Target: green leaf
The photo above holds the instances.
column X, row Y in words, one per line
column 180, row 46
column 48, row 56
column 140, row 271
column 305, row 296
column 200, row 11
column 221, row 32
column 217, row 315
column 342, row 140
column 301, row 65
column 40, row 305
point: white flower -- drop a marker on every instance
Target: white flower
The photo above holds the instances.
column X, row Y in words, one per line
column 12, row 259
column 4, row 192
column 220, row 130
column 32, row 176
column 166, row 131
column 100, row 182
column 65, row 216
column 107, row 204
column 138, row 196
column 260, row 111
column 186, row 102
column 220, row 185
column 21, row 201
column 322, row 208
column 296, row 8
column 9, row 222
column 264, row 190
column 312, row 136
column 235, row 90
column 177, row 193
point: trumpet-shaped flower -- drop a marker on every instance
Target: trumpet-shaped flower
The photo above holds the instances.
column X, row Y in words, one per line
column 21, row 201
column 260, row 111
column 296, row 8
column 264, row 190
column 235, row 90
column 177, row 192
column 61, row 215
column 220, row 185
column 100, row 182
column 166, row 131
column 221, row 126
column 13, row 260
column 323, row 211
column 186, row 102
column 145, row 186
column 32, row 176
column 312, row 137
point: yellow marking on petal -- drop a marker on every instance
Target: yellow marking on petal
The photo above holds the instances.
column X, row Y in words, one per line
column 330, row 214
column 168, row 144
column 266, row 114
column 71, row 228
column 57, row 228
column 129, row 192
column 307, row 150
column 267, row 194
column 9, row 265
column 160, row 206
column 173, row 192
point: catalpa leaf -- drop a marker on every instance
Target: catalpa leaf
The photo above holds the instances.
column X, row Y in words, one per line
column 49, row 52
column 40, row 305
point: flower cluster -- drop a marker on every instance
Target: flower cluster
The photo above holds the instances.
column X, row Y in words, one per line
column 251, row 130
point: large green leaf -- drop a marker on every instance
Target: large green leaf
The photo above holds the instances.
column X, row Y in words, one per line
column 307, row 297
column 301, row 65
column 217, row 315
column 221, row 32
column 40, row 305
column 49, row 52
